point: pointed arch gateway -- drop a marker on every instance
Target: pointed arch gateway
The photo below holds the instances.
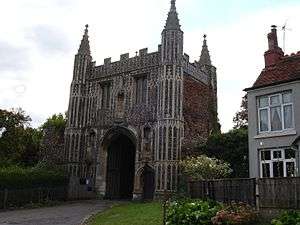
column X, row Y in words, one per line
column 120, row 146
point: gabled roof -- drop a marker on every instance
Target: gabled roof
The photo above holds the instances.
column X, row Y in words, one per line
column 287, row 69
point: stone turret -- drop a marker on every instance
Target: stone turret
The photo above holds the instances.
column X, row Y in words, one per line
column 172, row 38
column 169, row 104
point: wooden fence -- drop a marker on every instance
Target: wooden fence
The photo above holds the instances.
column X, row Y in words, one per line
column 280, row 193
column 21, row 197
column 228, row 190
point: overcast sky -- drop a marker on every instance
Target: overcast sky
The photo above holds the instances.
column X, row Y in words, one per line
column 39, row 39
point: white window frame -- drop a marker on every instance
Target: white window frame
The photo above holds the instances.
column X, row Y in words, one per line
column 272, row 160
column 268, row 108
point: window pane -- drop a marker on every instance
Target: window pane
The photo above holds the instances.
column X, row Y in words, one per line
column 263, row 101
column 278, row 169
column 289, row 153
column 276, row 122
column 263, row 115
column 276, row 154
column 287, row 97
column 265, row 170
column 288, row 116
column 275, row 100
column 265, row 155
column 290, row 169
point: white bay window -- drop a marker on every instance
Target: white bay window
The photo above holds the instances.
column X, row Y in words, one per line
column 277, row 163
column 275, row 112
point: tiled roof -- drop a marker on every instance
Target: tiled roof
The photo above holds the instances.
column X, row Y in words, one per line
column 285, row 70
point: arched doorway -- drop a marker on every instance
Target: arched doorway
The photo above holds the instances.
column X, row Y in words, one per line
column 148, row 177
column 120, row 167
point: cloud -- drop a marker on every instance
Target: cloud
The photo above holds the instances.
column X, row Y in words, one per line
column 48, row 39
column 42, row 47
column 13, row 58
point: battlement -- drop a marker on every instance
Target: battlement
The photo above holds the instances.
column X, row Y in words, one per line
column 193, row 70
column 126, row 63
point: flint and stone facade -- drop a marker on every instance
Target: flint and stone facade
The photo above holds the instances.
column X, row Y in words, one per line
column 146, row 110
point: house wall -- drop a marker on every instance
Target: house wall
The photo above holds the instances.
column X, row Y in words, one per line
column 275, row 139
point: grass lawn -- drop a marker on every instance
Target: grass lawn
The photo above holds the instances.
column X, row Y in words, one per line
column 130, row 214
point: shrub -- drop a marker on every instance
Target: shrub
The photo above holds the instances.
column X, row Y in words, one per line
column 15, row 177
column 187, row 212
column 203, row 167
column 287, row 218
column 236, row 213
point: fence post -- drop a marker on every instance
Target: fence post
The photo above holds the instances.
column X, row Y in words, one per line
column 256, row 185
column 5, row 198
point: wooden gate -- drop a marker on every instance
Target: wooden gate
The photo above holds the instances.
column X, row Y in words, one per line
column 148, row 183
column 120, row 168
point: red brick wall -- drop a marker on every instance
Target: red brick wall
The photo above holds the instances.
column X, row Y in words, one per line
column 195, row 112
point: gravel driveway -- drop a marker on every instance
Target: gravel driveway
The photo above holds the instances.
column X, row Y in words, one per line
column 69, row 214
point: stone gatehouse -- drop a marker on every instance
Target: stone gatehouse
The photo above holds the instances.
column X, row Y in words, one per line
column 131, row 121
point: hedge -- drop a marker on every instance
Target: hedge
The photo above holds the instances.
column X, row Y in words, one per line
column 15, row 177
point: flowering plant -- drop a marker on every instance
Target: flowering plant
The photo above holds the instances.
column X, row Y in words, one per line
column 235, row 213
column 203, row 167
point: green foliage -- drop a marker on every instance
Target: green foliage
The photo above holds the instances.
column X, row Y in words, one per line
column 187, row 212
column 287, row 218
column 15, row 177
column 232, row 147
column 235, row 213
column 19, row 143
column 203, row 167
column 240, row 119
column 56, row 122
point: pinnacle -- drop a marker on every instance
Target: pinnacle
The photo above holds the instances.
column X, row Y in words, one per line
column 172, row 21
column 85, row 44
column 205, row 57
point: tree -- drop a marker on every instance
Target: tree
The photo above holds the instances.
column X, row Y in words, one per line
column 18, row 143
column 203, row 168
column 240, row 119
column 232, row 147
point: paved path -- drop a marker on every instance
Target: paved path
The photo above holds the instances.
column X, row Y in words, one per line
column 68, row 214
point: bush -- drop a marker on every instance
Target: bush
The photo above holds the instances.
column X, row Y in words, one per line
column 187, row 212
column 15, row 177
column 203, row 167
column 287, row 218
column 235, row 214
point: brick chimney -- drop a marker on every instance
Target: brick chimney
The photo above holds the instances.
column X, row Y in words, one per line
column 274, row 54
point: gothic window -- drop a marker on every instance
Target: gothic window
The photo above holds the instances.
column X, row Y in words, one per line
column 120, row 105
column 141, row 89
column 105, row 90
